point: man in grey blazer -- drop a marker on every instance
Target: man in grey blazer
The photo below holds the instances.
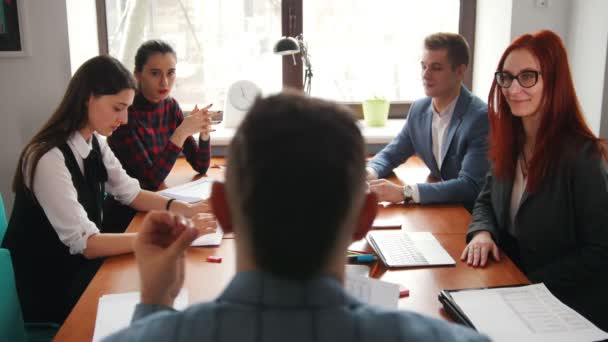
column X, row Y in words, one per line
column 447, row 130
column 290, row 255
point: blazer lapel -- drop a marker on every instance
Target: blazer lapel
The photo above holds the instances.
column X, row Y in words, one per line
column 504, row 190
column 427, row 124
column 462, row 106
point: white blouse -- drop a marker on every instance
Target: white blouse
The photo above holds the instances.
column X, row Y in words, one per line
column 519, row 186
column 56, row 194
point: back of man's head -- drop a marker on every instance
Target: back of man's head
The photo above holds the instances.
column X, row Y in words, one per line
column 295, row 173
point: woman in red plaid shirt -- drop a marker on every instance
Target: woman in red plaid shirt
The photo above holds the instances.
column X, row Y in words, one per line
column 149, row 144
column 156, row 132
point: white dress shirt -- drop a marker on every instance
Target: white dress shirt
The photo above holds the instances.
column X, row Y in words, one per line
column 439, row 132
column 56, row 194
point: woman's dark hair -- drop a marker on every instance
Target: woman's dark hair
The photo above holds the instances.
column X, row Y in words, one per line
column 101, row 75
column 148, row 49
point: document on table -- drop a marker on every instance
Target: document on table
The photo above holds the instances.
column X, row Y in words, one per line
column 372, row 291
column 524, row 313
column 115, row 311
column 190, row 192
column 214, row 239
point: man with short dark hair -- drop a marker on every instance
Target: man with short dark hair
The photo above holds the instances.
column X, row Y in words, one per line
column 290, row 253
column 447, row 130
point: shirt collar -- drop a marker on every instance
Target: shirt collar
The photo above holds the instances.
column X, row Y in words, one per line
column 448, row 111
column 261, row 288
column 141, row 102
column 81, row 146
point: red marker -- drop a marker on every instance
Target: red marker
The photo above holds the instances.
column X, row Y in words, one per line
column 215, row 259
column 403, row 291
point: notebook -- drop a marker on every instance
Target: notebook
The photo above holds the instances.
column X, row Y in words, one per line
column 518, row 313
column 397, row 248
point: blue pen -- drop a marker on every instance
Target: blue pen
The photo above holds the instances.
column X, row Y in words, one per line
column 361, row 258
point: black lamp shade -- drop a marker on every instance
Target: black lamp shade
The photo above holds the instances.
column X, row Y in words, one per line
column 286, row 46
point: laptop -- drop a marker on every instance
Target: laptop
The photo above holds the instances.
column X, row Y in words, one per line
column 397, row 248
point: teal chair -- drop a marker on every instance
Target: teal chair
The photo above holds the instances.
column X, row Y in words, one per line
column 3, row 222
column 12, row 327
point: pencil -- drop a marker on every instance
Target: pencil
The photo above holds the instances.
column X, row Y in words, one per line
column 374, row 270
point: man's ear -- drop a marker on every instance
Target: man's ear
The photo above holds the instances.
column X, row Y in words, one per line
column 367, row 216
column 219, row 206
column 461, row 70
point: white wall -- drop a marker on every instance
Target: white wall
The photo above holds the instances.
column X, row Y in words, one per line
column 587, row 52
column 527, row 17
column 492, row 36
column 82, row 31
column 31, row 87
column 580, row 23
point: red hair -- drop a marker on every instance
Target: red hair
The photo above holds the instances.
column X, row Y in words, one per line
column 561, row 120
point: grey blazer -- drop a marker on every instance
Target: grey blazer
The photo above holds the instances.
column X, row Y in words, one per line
column 464, row 152
column 561, row 230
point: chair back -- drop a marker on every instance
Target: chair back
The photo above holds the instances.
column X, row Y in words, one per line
column 3, row 222
column 12, row 327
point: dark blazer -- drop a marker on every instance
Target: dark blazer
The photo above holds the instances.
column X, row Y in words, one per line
column 561, row 230
column 464, row 156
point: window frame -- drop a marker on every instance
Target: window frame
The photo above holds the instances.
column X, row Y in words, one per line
column 292, row 25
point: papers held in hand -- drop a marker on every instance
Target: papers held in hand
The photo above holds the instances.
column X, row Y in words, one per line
column 519, row 313
column 190, row 192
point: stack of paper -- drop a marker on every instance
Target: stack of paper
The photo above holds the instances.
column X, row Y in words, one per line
column 190, row 192
column 372, row 291
column 115, row 311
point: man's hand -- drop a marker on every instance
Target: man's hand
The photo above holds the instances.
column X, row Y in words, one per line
column 160, row 248
column 387, row 191
column 476, row 252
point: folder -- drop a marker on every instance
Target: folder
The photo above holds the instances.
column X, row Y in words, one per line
column 518, row 313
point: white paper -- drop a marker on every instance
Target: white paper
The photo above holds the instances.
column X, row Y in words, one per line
column 190, row 192
column 526, row 313
column 357, row 270
column 214, row 239
column 115, row 311
column 372, row 291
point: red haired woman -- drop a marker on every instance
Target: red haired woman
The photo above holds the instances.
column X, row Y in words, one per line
column 545, row 201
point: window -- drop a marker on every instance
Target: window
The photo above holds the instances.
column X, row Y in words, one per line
column 216, row 42
column 358, row 48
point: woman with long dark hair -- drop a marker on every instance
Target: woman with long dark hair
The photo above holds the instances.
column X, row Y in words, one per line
column 545, row 201
column 55, row 234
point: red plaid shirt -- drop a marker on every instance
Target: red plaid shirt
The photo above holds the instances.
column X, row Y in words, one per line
column 143, row 146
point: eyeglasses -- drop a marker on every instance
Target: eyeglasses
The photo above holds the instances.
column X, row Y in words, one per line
column 526, row 78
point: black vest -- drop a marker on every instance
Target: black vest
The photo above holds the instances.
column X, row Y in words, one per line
column 49, row 279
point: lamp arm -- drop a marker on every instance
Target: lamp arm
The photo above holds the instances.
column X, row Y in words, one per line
column 307, row 64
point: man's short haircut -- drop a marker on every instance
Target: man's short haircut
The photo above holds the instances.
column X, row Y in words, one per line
column 455, row 44
column 296, row 167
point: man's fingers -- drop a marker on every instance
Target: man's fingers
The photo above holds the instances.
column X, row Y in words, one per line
column 183, row 241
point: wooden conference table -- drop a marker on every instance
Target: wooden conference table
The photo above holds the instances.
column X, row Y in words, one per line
column 205, row 281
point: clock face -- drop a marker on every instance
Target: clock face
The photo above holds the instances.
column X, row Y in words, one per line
column 242, row 94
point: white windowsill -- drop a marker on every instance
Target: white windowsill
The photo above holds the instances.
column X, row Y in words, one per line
column 372, row 135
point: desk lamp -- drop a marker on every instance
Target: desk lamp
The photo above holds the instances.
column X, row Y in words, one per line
column 292, row 46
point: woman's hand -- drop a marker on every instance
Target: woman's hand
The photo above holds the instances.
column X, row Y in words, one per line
column 199, row 120
column 204, row 223
column 476, row 252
